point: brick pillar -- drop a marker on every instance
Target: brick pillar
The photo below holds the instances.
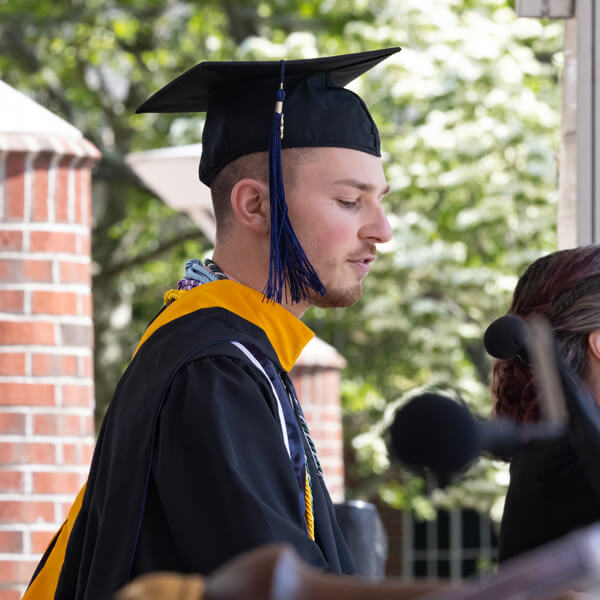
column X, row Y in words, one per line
column 316, row 378
column 46, row 378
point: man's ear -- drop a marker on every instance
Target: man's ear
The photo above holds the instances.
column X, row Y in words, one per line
column 594, row 343
column 250, row 205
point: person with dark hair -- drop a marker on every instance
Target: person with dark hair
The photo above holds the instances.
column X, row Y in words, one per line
column 549, row 493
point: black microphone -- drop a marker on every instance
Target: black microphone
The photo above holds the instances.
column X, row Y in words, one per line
column 432, row 433
column 507, row 338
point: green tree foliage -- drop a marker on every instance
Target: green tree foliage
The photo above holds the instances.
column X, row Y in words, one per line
column 469, row 117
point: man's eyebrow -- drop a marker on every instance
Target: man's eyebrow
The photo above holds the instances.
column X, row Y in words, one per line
column 361, row 185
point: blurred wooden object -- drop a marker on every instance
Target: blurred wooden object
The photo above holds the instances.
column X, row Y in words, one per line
column 164, row 586
column 277, row 573
column 269, row 573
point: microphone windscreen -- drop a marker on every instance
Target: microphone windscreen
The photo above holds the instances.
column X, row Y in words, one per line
column 506, row 338
column 434, row 432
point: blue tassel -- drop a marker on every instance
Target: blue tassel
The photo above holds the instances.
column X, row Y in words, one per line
column 290, row 270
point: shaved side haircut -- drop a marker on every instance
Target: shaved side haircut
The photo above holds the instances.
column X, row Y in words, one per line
column 249, row 166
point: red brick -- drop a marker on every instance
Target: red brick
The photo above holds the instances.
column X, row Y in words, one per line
column 78, row 198
column 40, row 187
column 330, row 452
column 12, row 423
column 10, row 594
column 330, row 417
column 61, row 206
column 69, row 365
column 89, row 425
column 77, row 335
column 85, row 245
column 56, row 483
column 40, row 540
column 12, row 481
column 17, row 271
column 56, row 424
column 86, row 366
column 53, row 241
column 11, row 541
column 17, row 571
column 78, row 454
column 77, row 395
column 74, row 272
column 337, row 470
column 53, row 364
column 62, row 188
column 11, row 301
column 80, row 184
column 86, row 201
column 13, row 452
column 37, row 270
column 26, row 394
column 26, row 511
column 83, row 194
column 14, row 187
column 86, row 305
column 315, row 389
column 12, row 364
column 26, row 333
column 11, row 240
column 27, row 452
column 41, row 454
column 317, row 430
column 54, row 303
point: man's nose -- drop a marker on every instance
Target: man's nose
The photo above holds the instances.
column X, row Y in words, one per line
column 378, row 229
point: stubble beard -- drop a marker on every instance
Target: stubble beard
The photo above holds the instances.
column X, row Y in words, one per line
column 337, row 298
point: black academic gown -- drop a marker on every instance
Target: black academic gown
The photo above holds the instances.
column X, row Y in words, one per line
column 549, row 496
column 190, row 467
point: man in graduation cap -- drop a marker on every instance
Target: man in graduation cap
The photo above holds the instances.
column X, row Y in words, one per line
column 204, row 452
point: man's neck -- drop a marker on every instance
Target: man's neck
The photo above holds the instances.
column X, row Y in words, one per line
column 254, row 279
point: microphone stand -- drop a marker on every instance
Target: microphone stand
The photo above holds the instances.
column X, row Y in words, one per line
column 542, row 350
column 563, row 397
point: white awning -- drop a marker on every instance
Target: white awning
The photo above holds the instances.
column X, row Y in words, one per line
column 172, row 174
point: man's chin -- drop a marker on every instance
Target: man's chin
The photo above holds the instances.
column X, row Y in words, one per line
column 339, row 298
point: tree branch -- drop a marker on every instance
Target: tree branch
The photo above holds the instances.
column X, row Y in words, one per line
column 13, row 41
column 242, row 23
column 118, row 268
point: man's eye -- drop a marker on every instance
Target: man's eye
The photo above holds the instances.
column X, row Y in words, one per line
column 347, row 203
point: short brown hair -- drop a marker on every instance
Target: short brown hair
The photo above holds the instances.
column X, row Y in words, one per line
column 253, row 166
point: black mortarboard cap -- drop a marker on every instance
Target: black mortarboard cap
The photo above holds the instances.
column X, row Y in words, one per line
column 239, row 100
